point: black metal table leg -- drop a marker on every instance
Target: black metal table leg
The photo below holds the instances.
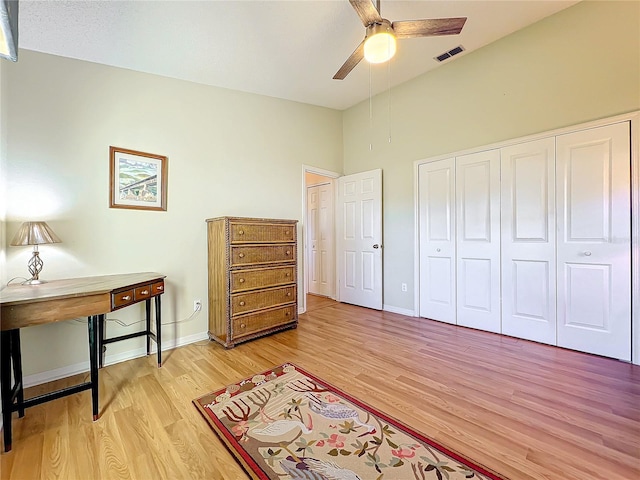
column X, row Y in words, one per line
column 16, row 354
column 93, row 323
column 148, row 323
column 5, row 379
column 158, row 330
column 100, row 346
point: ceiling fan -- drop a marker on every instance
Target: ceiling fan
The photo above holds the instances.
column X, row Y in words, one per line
column 379, row 43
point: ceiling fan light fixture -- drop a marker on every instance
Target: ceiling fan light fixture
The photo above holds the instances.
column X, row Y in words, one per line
column 380, row 45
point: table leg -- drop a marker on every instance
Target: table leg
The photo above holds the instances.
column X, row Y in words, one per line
column 158, row 330
column 5, row 380
column 148, row 320
column 16, row 354
column 100, row 346
column 93, row 323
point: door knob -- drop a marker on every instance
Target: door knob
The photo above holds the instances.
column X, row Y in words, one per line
column 587, row 253
column 376, row 246
column 438, row 250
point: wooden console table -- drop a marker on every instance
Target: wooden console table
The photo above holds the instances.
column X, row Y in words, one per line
column 93, row 297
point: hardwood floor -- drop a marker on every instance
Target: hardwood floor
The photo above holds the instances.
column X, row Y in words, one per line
column 525, row 410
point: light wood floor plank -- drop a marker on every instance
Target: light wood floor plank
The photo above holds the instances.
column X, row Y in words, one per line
column 526, row 410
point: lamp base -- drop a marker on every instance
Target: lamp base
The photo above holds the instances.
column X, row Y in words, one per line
column 33, row 281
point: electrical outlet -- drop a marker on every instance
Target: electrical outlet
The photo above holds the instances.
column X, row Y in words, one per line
column 404, row 287
column 197, row 305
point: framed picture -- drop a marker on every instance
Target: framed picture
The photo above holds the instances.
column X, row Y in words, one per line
column 137, row 180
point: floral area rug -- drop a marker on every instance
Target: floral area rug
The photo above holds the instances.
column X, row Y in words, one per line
column 288, row 424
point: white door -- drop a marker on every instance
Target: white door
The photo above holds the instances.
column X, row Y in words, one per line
column 437, row 240
column 320, row 240
column 478, row 240
column 594, row 254
column 528, row 241
column 359, row 237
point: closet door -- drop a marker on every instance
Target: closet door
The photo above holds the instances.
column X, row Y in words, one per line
column 436, row 192
column 594, row 254
column 529, row 241
column 478, row 240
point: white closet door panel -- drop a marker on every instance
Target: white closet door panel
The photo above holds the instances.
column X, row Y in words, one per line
column 325, row 239
column 594, row 254
column 528, row 240
column 313, row 260
column 478, row 240
column 436, row 187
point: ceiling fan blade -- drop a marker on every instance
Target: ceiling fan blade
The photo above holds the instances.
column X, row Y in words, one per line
column 366, row 11
column 428, row 27
column 352, row 61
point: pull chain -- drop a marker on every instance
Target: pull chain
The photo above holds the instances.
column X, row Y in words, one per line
column 389, row 99
column 370, row 114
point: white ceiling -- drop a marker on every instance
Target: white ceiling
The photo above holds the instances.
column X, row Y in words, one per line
column 284, row 49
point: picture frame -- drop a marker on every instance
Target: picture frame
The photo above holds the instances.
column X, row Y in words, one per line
column 137, row 180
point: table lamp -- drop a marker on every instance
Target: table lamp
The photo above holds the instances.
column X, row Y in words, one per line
column 34, row 233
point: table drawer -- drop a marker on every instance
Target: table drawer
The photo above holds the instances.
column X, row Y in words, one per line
column 242, row 280
column 248, row 302
column 157, row 288
column 261, row 233
column 141, row 293
column 121, row 299
column 262, row 254
column 257, row 322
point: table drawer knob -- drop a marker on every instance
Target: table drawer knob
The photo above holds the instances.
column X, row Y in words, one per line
column 241, row 280
column 242, row 325
column 160, row 287
column 288, row 294
column 241, row 255
column 286, row 274
column 126, row 297
column 286, row 313
column 242, row 303
column 240, row 232
column 288, row 252
column 144, row 292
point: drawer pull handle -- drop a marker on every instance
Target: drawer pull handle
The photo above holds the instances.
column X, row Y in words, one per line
column 241, row 255
column 288, row 294
column 160, row 287
column 242, row 304
column 126, row 297
column 144, row 292
column 242, row 325
column 241, row 280
column 240, row 232
column 286, row 274
column 288, row 252
column 286, row 314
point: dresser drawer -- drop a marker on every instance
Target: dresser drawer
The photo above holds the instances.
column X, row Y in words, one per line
column 262, row 254
column 261, row 233
column 256, row 322
column 248, row 302
column 242, row 280
column 121, row 299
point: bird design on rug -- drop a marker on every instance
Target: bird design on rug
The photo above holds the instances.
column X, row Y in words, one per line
column 337, row 411
column 312, row 469
column 281, row 431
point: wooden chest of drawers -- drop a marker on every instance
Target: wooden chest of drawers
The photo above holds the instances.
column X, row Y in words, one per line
column 252, row 278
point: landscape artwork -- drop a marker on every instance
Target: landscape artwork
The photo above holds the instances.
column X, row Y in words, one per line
column 138, row 180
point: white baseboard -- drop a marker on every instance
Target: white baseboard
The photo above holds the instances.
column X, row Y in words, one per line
column 401, row 311
column 69, row 370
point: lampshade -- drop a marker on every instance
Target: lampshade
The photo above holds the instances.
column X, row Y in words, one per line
column 380, row 45
column 34, row 233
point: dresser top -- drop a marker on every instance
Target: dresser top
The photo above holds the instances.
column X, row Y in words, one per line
column 251, row 220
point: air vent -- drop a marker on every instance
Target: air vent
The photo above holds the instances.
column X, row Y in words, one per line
column 450, row 53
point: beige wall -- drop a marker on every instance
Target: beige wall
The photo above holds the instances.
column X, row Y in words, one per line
column 230, row 153
column 578, row 65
